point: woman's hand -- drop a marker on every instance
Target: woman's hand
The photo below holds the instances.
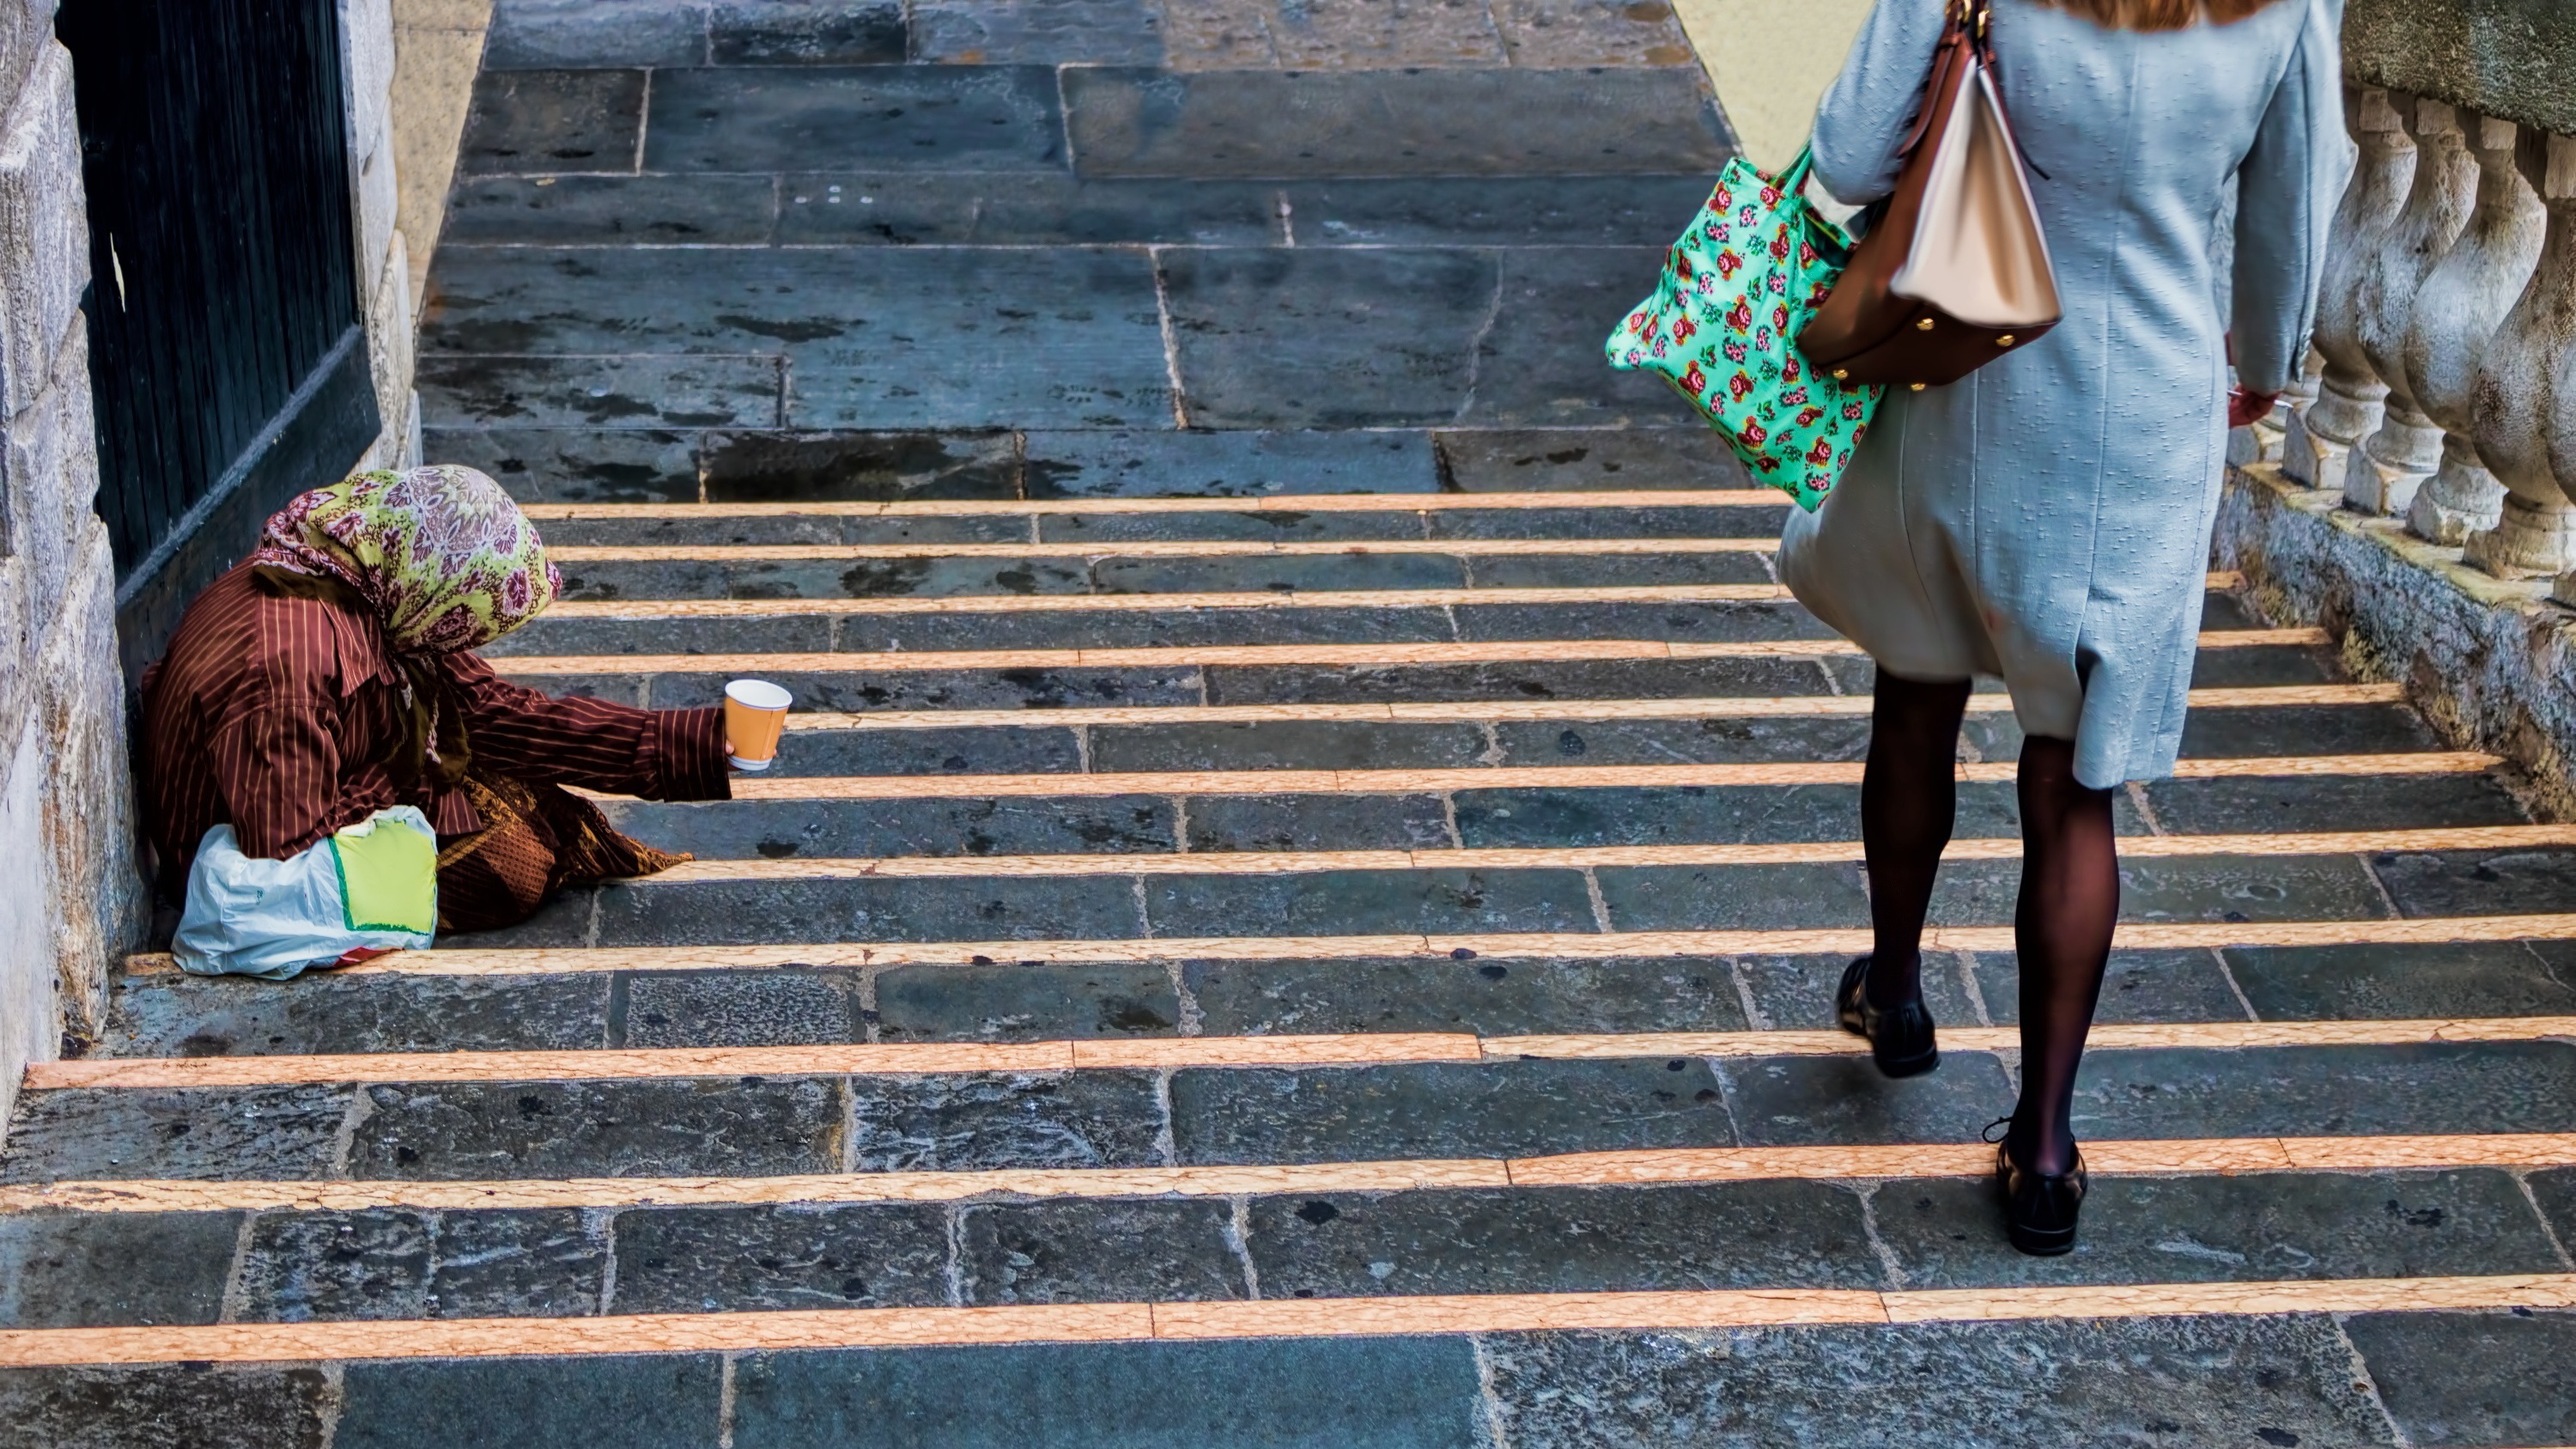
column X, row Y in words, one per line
column 2244, row 409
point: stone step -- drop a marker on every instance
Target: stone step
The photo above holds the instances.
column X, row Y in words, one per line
column 1386, row 1232
column 2388, row 1366
column 1111, row 1116
column 920, row 473
column 157, row 1011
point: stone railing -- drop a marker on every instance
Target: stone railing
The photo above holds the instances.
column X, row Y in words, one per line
column 2417, row 493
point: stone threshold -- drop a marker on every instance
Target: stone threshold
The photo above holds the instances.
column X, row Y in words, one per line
column 2490, row 663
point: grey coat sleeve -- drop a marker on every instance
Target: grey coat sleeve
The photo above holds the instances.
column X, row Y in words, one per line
column 1863, row 116
column 2287, row 188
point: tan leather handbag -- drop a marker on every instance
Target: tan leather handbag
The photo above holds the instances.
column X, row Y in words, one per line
column 1954, row 270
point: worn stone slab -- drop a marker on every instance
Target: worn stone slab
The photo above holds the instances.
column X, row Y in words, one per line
column 2473, row 1378
column 1528, row 679
column 536, row 121
column 2308, row 1091
column 1267, row 525
column 1023, row 749
column 1492, row 998
column 1592, row 32
column 1227, row 463
column 1333, row 339
column 2393, row 802
column 730, row 1259
column 738, row 1008
column 1127, row 122
column 2361, row 983
column 1748, row 897
column 1670, row 742
column 658, row 1402
column 572, row 465
column 1099, row 1252
column 611, row 210
column 2140, row 986
column 2457, row 882
column 1026, row 1001
column 1563, row 1240
column 2185, row 888
column 273, row 1132
column 1372, row 1393
column 1368, row 903
column 801, row 32
column 887, row 117
column 1796, row 993
column 786, row 829
column 944, row 689
column 1037, row 32
column 2497, row 56
column 1333, row 34
column 1293, row 574
column 537, row 34
column 961, row 1123
column 2270, row 1227
column 1552, row 211
column 960, row 208
column 1147, row 629
column 1004, row 909
column 1752, row 521
column 644, row 1127
column 1493, row 1109
column 176, row 1015
column 1539, row 362
column 1523, row 460
column 1843, row 1101
column 2186, row 1380
column 1683, row 815
column 2344, row 729
column 1682, row 623
column 859, row 467
column 605, row 392
column 1070, row 338
column 97, row 1270
column 1286, row 745
column 1317, row 822
column 193, row 1404
column 611, row 528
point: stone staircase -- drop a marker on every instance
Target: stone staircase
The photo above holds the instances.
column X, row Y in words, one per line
column 1302, row 901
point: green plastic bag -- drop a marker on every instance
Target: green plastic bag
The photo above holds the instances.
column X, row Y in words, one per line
column 1721, row 327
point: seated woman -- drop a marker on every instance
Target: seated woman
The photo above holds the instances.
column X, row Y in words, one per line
column 331, row 675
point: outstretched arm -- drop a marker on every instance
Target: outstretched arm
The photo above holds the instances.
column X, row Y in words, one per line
column 658, row 754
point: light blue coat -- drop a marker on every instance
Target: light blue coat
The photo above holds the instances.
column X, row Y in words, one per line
column 2047, row 518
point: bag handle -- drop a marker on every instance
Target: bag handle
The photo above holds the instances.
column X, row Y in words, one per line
column 1792, row 178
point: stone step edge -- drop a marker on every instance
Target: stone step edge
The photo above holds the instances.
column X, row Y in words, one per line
column 1172, row 503
column 1447, row 780
column 1583, row 857
column 789, row 1329
column 2168, row 1157
column 1510, row 651
column 1239, row 601
column 595, row 553
column 1175, row 1052
column 1584, row 946
column 1504, row 711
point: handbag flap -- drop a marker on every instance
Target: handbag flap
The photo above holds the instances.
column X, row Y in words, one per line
column 1978, row 253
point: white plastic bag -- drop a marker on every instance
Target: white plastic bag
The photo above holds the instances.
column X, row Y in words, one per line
column 359, row 890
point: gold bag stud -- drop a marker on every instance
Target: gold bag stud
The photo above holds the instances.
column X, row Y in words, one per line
column 1923, row 326
column 1915, row 386
column 2004, row 341
column 1841, row 372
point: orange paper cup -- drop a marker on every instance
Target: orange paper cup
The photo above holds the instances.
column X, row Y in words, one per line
column 755, row 713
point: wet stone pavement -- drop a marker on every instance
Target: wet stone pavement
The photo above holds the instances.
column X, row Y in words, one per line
column 1302, row 903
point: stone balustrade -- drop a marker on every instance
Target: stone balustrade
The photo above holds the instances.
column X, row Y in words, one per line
column 2442, row 387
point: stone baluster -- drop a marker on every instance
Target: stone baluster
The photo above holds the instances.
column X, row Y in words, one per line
column 2457, row 311
column 2348, row 393
column 2382, row 473
column 2525, row 409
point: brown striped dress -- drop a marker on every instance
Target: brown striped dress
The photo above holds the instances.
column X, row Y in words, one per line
column 278, row 714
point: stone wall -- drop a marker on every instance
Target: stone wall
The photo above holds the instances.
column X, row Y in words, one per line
column 384, row 255
column 66, row 803
column 438, row 47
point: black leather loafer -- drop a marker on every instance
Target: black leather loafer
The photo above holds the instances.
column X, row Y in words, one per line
column 1900, row 1037
column 2039, row 1207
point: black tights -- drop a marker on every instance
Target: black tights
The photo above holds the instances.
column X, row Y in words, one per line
column 2070, row 890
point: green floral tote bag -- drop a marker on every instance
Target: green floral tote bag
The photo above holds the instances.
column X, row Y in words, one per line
column 1722, row 327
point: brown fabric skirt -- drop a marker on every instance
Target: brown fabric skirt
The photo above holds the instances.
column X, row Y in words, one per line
column 535, row 840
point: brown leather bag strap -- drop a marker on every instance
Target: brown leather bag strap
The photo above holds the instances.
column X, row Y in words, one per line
column 1962, row 31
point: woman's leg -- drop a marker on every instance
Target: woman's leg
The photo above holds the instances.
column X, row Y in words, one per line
column 1908, row 796
column 2070, row 899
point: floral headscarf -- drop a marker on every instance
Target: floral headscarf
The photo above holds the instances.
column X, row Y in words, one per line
column 443, row 556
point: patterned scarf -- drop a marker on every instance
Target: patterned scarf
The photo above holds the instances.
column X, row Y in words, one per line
column 441, row 554
column 445, row 561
